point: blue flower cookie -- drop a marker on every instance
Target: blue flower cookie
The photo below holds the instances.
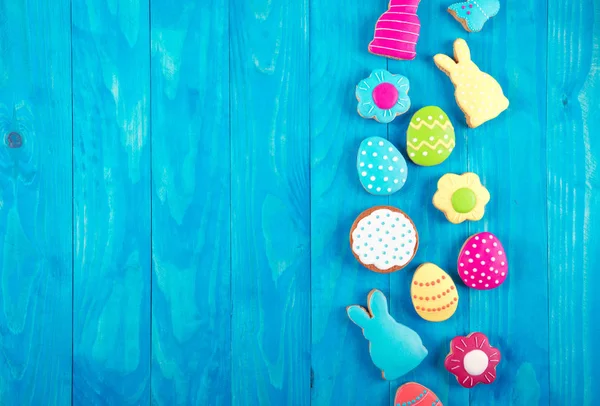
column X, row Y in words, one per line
column 383, row 96
column 473, row 14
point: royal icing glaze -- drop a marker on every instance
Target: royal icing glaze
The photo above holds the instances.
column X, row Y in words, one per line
column 430, row 137
column 394, row 348
column 397, row 31
column 472, row 360
column 381, row 168
column 461, row 197
column 412, row 393
column 482, row 262
column 473, row 14
column 384, row 239
column 433, row 293
column 383, row 96
column 477, row 94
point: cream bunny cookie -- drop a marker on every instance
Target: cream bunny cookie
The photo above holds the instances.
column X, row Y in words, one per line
column 478, row 94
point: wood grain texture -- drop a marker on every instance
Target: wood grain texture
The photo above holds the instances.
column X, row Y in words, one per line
column 191, row 303
column 509, row 155
column 111, row 284
column 35, row 203
column 440, row 240
column 342, row 370
column 270, row 206
column 573, row 199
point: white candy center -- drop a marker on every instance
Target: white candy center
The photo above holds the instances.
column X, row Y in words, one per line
column 476, row 362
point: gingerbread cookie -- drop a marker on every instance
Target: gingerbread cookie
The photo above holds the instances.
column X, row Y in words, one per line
column 412, row 393
column 397, row 31
column 384, row 239
column 482, row 262
column 472, row 360
column 473, row 14
column 433, row 293
column 383, row 96
column 478, row 94
column 394, row 348
column 430, row 137
column 461, row 197
column 381, row 167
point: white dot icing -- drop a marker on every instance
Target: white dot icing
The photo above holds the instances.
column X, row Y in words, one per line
column 394, row 230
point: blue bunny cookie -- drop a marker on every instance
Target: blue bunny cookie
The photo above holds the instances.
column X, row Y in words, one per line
column 473, row 14
column 394, row 348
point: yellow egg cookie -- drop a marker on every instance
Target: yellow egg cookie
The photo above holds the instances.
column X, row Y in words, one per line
column 478, row 94
column 433, row 293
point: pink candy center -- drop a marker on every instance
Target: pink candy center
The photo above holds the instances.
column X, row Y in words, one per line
column 385, row 95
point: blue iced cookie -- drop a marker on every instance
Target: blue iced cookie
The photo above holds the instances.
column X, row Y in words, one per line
column 473, row 14
column 394, row 348
column 381, row 167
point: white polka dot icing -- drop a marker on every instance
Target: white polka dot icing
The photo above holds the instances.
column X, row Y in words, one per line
column 384, row 239
column 484, row 255
column 381, row 168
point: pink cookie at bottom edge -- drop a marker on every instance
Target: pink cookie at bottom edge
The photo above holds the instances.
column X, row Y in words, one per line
column 413, row 393
column 482, row 262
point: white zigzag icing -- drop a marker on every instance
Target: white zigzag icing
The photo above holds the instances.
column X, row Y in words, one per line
column 422, row 123
column 448, row 145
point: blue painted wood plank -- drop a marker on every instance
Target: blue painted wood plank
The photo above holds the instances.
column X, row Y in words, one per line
column 191, row 306
column 270, row 203
column 342, row 370
column 440, row 240
column 111, row 284
column 573, row 199
column 35, row 203
column 509, row 155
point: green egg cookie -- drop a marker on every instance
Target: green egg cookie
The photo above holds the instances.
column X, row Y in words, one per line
column 430, row 137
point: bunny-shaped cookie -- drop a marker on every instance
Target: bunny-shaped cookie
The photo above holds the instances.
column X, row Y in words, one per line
column 478, row 94
column 394, row 348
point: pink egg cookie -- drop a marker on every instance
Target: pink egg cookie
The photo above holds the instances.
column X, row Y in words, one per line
column 413, row 393
column 397, row 31
column 482, row 262
column 472, row 360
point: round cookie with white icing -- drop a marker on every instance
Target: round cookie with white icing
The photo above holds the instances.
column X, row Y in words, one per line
column 384, row 239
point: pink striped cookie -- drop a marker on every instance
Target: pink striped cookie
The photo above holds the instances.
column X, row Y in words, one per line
column 397, row 31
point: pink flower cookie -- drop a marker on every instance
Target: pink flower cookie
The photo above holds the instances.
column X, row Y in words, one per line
column 482, row 262
column 397, row 31
column 472, row 360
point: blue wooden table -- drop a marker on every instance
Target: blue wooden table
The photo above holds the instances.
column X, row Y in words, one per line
column 177, row 183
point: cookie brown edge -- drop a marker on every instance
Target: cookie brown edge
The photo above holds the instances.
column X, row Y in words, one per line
column 369, row 212
column 462, row 21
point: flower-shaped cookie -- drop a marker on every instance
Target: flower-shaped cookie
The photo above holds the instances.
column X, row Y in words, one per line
column 383, row 96
column 461, row 197
column 472, row 360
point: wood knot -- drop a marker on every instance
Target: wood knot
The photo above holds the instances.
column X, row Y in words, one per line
column 14, row 140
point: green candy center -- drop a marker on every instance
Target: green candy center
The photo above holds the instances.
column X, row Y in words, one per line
column 464, row 200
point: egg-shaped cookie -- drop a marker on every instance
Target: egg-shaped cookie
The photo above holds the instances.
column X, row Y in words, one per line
column 482, row 262
column 384, row 239
column 413, row 393
column 381, row 167
column 433, row 293
column 430, row 137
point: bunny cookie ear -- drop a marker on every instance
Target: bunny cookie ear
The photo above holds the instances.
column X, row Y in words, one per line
column 444, row 63
column 462, row 53
column 358, row 315
column 377, row 303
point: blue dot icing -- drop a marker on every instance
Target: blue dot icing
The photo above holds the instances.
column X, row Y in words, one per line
column 381, row 182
